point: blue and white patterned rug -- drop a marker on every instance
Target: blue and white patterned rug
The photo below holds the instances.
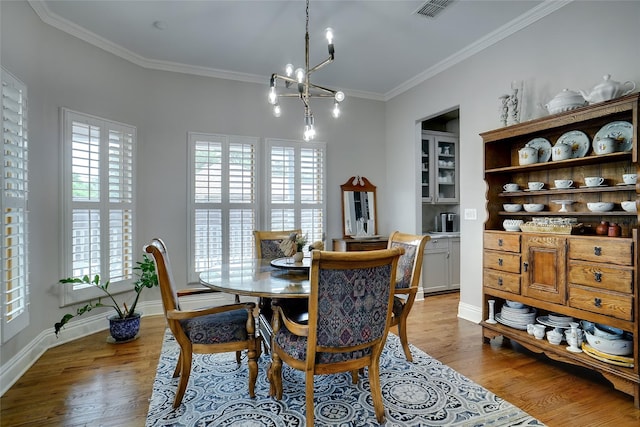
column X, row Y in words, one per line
column 422, row 393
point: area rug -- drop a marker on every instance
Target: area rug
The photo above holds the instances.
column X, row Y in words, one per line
column 420, row 393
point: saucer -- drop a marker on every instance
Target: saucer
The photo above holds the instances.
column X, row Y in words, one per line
column 622, row 184
column 562, row 188
column 595, row 186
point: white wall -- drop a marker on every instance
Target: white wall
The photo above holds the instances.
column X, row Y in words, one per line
column 571, row 48
column 62, row 71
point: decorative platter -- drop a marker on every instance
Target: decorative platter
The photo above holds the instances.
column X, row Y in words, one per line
column 287, row 263
column 622, row 132
column 543, row 146
column 516, row 325
column 578, row 140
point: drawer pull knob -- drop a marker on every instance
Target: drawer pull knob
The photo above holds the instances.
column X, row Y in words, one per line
column 499, row 242
column 500, row 262
column 597, row 302
column 499, row 281
column 526, row 266
column 597, row 250
column 597, row 276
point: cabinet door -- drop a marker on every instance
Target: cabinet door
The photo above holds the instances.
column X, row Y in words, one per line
column 543, row 268
column 454, row 263
column 446, row 169
column 426, row 168
column 435, row 271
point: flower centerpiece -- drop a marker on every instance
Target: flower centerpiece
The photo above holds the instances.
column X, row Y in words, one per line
column 293, row 244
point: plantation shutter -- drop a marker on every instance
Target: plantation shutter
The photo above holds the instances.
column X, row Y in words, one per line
column 15, row 279
column 223, row 200
column 296, row 183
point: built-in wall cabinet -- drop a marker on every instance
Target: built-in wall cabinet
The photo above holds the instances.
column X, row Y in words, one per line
column 439, row 170
column 441, row 265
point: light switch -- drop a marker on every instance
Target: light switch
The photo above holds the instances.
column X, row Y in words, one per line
column 470, row 214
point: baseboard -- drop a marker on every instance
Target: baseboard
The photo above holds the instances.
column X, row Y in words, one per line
column 11, row 370
column 469, row 312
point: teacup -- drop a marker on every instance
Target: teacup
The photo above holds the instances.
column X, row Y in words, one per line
column 535, row 185
column 561, row 151
column 605, row 146
column 563, row 183
column 630, row 178
column 538, row 331
column 593, row 181
column 510, row 187
column 528, row 155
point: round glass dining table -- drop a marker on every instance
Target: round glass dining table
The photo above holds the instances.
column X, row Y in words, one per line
column 260, row 278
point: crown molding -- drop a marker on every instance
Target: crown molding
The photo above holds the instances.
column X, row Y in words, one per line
column 56, row 21
column 523, row 21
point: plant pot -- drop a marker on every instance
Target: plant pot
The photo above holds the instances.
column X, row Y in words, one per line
column 297, row 257
column 126, row 329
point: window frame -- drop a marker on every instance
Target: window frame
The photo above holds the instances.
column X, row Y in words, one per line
column 18, row 201
column 225, row 205
column 71, row 293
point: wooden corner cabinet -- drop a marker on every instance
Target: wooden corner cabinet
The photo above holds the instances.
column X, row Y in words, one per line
column 570, row 269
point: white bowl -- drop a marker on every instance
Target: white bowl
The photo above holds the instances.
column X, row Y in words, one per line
column 514, row 304
column 512, row 207
column 600, row 206
column 618, row 347
column 629, row 206
column 607, row 332
column 554, row 337
column 533, row 207
column 512, row 224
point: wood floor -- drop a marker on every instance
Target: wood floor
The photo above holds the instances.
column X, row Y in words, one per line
column 92, row 383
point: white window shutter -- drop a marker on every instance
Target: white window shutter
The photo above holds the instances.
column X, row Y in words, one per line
column 14, row 298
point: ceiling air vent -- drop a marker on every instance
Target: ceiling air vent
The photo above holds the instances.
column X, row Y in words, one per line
column 433, row 7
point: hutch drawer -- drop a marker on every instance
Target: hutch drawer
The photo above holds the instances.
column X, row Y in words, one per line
column 507, row 282
column 502, row 261
column 611, row 304
column 614, row 251
column 509, row 242
column 601, row 276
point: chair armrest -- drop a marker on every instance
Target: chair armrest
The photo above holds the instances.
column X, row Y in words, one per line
column 190, row 314
column 196, row 291
column 293, row 327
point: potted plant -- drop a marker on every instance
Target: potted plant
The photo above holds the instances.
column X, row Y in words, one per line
column 125, row 323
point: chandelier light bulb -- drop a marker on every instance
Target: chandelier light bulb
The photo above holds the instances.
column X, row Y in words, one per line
column 336, row 110
column 339, row 96
column 277, row 112
column 329, row 34
column 288, row 69
column 300, row 75
column 273, row 96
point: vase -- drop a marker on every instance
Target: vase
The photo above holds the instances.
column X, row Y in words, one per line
column 123, row 330
column 297, row 257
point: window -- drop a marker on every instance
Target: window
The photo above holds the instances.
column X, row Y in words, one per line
column 296, row 187
column 14, row 298
column 99, row 202
column 223, row 206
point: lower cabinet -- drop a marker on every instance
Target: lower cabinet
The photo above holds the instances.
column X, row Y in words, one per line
column 592, row 278
column 441, row 265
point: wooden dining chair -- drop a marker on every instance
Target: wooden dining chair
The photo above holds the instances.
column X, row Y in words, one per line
column 207, row 330
column 407, row 280
column 268, row 242
column 349, row 317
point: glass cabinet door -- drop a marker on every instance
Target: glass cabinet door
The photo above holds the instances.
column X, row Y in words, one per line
column 439, row 167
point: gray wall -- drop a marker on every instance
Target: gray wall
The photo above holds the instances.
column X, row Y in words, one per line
column 62, row 71
column 571, row 48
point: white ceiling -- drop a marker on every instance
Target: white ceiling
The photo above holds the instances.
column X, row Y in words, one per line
column 382, row 47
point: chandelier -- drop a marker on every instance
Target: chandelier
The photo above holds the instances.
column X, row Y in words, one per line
column 299, row 79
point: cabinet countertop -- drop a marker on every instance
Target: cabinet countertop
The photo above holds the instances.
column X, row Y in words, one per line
column 443, row 235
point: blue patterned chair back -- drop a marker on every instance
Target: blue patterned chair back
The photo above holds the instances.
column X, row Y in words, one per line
column 406, row 263
column 268, row 243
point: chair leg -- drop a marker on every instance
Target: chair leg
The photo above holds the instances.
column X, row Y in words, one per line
column 176, row 372
column 275, row 376
column 402, row 332
column 354, row 376
column 309, row 396
column 376, row 391
column 238, row 357
column 185, row 371
column 253, row 370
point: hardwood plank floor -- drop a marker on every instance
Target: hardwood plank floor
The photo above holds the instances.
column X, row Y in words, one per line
column 89, row 382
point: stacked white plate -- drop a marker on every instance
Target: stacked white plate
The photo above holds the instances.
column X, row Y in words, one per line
column 517, row 318
column 555, row 320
